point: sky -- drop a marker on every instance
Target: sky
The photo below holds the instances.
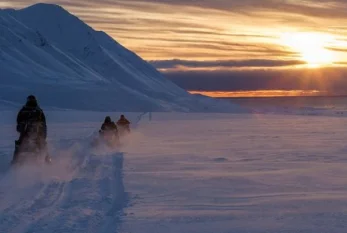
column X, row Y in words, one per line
column 227, row 45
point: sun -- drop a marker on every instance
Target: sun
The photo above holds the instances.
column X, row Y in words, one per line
column 311, row 46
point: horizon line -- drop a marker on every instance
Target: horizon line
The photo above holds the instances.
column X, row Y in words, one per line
column 266, row 93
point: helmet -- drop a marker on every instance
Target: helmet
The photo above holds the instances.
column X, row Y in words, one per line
column 31, row 101
column 107, row 119
column 31, row 98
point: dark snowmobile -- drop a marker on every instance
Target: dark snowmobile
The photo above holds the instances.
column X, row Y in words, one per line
column 31, row 151
column 108, row 138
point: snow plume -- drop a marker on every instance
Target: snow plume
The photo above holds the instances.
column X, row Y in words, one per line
column 17, row 182
column 29, row 183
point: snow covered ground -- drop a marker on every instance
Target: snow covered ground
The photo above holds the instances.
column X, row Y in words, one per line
column 182, row 173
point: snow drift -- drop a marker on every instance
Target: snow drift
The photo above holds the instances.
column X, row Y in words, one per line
column 46, row 51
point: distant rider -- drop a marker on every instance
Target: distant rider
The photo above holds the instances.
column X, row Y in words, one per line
column 109, row 127
column 31, row 124
column 123, row 124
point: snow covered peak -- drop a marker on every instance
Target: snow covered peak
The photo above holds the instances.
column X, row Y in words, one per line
column 45, row 7
column 57, row 25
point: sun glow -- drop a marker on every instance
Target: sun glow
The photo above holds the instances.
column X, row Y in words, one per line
column 311, row 46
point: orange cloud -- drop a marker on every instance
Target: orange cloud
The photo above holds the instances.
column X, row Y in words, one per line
column 260, row 93
column 211, row 29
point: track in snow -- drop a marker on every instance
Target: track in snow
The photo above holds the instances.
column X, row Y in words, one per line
column 82, row 192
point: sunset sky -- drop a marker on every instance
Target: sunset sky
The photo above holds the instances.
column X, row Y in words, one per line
column 227, row 44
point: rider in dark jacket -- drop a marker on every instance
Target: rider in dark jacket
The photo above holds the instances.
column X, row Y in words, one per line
column 109, row 126
column 108, row 133
column 124, row 124
column 31, row 124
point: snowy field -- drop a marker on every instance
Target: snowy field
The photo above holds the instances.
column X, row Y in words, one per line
column 213, row 173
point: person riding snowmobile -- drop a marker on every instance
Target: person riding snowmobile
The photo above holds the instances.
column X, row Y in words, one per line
column 31, row 124
column 109, row 129
column 123, row 124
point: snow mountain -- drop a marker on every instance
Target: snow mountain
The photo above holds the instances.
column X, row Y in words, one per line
column 48, row 52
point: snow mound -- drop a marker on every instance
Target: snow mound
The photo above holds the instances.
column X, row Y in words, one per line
column 46, row 51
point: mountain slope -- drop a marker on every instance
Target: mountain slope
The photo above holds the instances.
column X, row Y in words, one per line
column 51, row 53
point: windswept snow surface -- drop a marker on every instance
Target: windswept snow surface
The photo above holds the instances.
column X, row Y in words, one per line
column 185, row 173
column 48, row 52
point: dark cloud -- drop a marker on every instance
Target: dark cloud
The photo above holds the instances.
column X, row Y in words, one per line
column 330, row 9
column 343, row 50
column 169, row 64
column 330, row 79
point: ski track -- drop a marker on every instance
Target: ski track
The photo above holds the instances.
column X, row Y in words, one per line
column 91, row 201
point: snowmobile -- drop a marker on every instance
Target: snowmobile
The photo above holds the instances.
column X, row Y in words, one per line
column 123, row 130
column 108, row 138
column 30, row 152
